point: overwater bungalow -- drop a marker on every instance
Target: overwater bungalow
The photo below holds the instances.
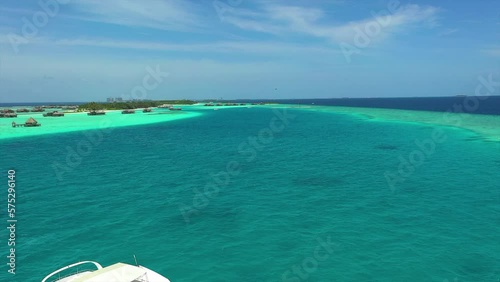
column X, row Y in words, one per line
column 23, row 110
column 8, row 115
column 96, row 113
column 54, row 114
column 146, row 110
column 128, row 111
column 31, row 122
column 37, row 110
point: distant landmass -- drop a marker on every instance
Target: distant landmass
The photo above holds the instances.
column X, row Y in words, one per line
column 488, row 105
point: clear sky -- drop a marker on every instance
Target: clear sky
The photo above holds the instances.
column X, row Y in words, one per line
column 87, row 50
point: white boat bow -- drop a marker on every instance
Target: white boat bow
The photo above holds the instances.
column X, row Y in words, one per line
column 118, row 272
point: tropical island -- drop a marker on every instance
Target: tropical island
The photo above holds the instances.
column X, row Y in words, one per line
column 96, row 106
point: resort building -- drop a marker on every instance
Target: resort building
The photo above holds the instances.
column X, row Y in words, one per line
column 31, row 122
column 54, row 114
column 96, row 113
column 8, row 114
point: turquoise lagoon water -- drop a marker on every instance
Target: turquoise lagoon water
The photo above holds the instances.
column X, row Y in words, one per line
column 312, row 204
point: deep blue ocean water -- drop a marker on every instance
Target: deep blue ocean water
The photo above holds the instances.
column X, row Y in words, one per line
column 489, row 105
column 311, row 204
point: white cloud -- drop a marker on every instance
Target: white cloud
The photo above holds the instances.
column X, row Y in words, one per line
column 310, row 21
column 166, row 14
column 247, row 47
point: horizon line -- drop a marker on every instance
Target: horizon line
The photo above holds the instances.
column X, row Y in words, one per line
column 256, row 99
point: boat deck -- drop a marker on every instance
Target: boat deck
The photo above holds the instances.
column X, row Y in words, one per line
column 118, row 272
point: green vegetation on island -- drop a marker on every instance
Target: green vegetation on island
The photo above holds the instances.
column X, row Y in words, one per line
column 95, row 106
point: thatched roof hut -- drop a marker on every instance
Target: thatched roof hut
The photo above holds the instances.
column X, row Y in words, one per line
column 37, row 109
column 32, row 122
column 8, row 115
column 96, row 113
column 54, row 114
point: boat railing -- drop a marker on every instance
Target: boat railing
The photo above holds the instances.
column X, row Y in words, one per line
column 78, row 270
